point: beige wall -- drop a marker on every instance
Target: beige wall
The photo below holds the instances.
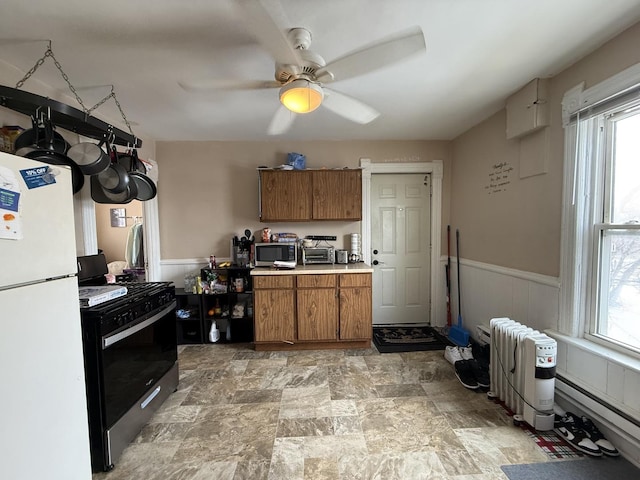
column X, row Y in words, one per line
column 208, row 191
column 520, row 228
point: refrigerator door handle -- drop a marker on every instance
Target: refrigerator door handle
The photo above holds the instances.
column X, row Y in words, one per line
column 112, row 339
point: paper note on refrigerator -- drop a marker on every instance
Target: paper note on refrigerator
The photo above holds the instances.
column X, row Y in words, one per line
column 10, row 221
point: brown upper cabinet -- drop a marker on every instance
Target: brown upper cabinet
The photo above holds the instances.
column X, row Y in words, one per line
column 309, row 195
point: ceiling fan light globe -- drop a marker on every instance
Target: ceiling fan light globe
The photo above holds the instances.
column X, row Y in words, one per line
column 301, row 96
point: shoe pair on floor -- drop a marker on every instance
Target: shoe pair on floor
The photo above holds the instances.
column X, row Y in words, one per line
column 582, row 433
column 468, row 370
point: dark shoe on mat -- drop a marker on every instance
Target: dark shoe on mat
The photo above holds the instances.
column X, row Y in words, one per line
column 597, row 437
column 480, row 373
column 464, row 372
column 569, row 427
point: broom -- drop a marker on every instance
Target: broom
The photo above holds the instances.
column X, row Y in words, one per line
column 457, row 334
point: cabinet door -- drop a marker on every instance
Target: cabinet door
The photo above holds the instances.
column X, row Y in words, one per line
column 317, row 314
column 285, row 195
column 355, row 307
column 337, row 195
column 273, row 313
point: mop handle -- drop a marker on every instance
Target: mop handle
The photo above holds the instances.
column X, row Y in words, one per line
column 458, row 264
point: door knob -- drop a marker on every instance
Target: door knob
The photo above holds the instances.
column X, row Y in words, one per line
column 375, row 262
column 375, row 252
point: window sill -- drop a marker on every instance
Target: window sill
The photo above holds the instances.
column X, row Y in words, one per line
column 624, row 360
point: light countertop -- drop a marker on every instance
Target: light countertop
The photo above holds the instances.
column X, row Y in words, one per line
column 315, row 269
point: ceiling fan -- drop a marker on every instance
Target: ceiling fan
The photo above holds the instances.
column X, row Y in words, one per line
column 301, row 74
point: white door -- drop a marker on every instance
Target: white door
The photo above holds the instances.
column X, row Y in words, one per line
column 400, row 248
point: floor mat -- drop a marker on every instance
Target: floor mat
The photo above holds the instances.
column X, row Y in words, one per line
column 408, row 339
column 600, row 468
column 548, row 441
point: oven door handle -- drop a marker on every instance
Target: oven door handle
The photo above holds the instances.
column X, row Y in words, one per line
column 110, row 340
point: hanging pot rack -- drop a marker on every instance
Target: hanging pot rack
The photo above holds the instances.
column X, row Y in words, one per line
column 65, row 116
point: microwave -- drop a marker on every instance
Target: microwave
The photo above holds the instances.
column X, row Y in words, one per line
column 267, row 253
column 312, row 255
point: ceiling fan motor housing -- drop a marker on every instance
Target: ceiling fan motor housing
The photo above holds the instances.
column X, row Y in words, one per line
column 310, row 62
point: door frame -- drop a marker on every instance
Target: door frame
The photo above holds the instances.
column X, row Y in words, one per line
column 433, row 168
column 150, row 232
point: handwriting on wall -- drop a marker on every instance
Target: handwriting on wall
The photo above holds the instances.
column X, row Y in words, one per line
column 499, row 178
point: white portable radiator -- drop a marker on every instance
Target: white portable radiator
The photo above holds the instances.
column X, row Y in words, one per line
column 523, row 370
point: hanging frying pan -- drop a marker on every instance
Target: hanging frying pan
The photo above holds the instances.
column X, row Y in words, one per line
column 90, row 157
column 53, row 157
column 101, row 195
column 35, row 138
column 146, row 188
column 115, row 178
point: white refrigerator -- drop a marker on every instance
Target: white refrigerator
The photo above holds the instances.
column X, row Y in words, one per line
column 43, row 412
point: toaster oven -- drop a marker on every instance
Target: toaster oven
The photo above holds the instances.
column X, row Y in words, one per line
column 311, row 255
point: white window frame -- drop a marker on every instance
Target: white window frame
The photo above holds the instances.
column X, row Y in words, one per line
column 578, row 251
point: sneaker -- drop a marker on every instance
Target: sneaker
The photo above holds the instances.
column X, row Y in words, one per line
column 569, row 428
column 481, row 374
column 598, row 438
column 466, row 353
column 452, row 355
column 464, row 372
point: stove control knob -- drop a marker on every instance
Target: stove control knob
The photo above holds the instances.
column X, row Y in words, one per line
column 120, row 320
column 147, row 307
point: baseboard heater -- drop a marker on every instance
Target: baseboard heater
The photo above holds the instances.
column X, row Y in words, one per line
column 523, row 369
column 612, row 417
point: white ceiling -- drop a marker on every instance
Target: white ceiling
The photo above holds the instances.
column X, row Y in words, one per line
column 478, row 53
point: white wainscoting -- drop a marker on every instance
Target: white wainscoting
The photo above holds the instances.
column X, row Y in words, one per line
column 607, row 389
column 174, row 270
column 489, row 291
column 611, row 379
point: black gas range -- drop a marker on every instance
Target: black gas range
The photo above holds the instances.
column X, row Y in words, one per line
column 140, row 300
column 130, row 356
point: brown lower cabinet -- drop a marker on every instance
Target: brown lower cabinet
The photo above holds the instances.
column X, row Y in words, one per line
column 274, row 309
column 312, row 311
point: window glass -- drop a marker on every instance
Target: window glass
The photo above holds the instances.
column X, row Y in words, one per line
column 626, row 171
column 617, row 317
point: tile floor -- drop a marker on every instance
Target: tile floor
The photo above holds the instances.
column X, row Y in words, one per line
column 332, row 414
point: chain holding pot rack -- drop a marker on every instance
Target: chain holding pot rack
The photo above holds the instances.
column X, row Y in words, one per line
column 63, row 115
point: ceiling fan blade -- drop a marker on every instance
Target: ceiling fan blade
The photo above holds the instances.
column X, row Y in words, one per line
column 264, row 25
column 281, row 121
column 374, row 56
column 348, row 107
column 219, row 84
